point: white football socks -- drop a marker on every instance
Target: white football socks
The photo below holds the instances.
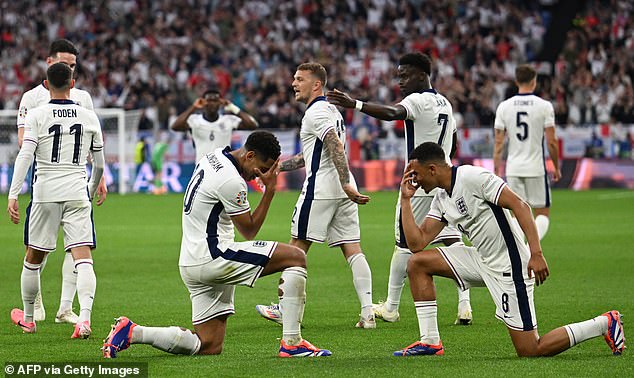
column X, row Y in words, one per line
column 168, row 339
column 292, row 301
column 542, row 222
column 427, row 311
column 464, row 299
column 398, row 273
column 69, row 284
column 86, row 287
column 30, row 286
column 579, row 332
column 362, row 279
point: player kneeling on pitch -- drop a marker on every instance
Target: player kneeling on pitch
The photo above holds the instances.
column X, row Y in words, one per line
column 477, row 202
column 212, row 263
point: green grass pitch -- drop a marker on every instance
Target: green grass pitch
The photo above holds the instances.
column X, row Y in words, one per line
column 588, row 249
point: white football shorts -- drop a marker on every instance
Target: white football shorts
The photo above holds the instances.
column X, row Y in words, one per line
column 211, row 285
column 420, row 207
column 513, row 297
column 333, row 220
column 43, row 220
column 534, row 190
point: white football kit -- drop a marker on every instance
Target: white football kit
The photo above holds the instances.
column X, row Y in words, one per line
column 499, row 256
column 429, row 119
column 323, row 211
column 524, row 118
column 40, row 96
column 208, row 135
column 60, row 133
column 211, row 262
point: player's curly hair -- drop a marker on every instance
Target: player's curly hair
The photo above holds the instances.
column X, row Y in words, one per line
column 62, row 46
column 428, row 151
column 418, row 60
column 264, row 144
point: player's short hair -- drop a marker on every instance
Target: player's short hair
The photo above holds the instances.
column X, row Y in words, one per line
column 426, row 152
column 59, row 76
column 264, row 144
column 524, row 74
column 418, row 60
column 211, row 90
column 317, row 70
column 62, row 46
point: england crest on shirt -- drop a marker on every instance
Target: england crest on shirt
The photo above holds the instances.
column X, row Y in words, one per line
column 462, row 206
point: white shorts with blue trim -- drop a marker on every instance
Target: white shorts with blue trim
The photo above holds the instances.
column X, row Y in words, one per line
column 333, row 220
column 43, row 220
column 420, row 208
column 211, row 285
column 534, row 190
column 513, row 297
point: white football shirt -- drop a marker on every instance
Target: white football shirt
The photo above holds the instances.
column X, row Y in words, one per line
column 40, row 96
column 429, row 119
column 472, row 208
column 524, row 117
column 64, row 132
column 322, row 179
column 208, row 135
column 215, row 192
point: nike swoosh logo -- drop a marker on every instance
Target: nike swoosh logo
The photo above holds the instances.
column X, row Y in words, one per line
column 22, row 324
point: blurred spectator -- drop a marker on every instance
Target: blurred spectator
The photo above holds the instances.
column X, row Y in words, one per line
column 594, row 149
column 163, row 54
column 625, row 147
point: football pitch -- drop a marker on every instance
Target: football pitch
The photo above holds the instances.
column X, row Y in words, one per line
column 588, row 249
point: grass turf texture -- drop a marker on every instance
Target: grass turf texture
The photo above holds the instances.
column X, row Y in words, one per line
column 587, row 247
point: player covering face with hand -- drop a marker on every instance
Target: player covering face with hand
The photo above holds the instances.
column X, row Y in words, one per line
column 212, row 263
column 479, row 204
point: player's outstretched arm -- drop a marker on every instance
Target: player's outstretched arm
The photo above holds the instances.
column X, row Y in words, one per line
column 293, row 163
column 553, row 150
column 497, row 151
column 338, row 156
column 537, row 265
column 383, row 112
column 247, row 120
column 418, row 237
column 180, row 123
column 249, row 224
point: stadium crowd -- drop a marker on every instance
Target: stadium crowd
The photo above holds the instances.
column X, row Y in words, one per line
column 160, row 55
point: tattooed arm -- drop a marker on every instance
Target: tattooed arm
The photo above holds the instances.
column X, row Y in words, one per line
column 295, row 162
column 338, row 156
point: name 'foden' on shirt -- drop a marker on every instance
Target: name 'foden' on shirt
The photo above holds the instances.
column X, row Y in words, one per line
column 68, row 113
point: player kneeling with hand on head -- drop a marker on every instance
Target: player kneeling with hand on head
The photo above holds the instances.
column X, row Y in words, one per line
column 479, row 204
column 212, row 263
